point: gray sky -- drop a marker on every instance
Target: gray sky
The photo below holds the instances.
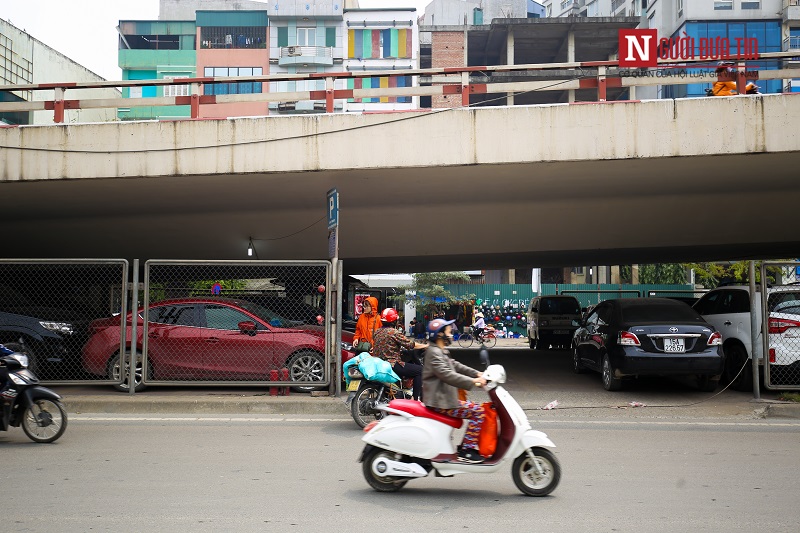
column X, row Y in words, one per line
column 85, row 30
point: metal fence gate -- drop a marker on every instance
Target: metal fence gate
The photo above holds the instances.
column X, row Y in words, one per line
column 50, row 307
column 780, row 332
column 234, row 322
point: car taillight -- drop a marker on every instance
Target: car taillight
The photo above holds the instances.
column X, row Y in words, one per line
column 626, row 338
column 715, row 339
column 772, row 355
column 779, row 325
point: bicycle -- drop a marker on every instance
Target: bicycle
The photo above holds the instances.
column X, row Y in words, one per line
column 487, row 339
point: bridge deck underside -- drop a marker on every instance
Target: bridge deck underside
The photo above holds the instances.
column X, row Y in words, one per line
column 428, row 218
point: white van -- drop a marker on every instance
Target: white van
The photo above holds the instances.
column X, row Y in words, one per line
column 550, row 321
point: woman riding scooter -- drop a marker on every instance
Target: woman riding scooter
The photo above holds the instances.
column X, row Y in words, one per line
column 442, row 376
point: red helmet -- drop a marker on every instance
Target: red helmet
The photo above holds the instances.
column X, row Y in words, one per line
column 389, row 315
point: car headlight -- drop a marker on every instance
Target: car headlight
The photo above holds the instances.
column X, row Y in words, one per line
column 347, row 346
column 65, row 328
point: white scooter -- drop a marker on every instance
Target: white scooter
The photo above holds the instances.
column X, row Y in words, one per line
column 412, row 441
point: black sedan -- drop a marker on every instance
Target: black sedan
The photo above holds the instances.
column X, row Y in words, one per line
column 633, row 337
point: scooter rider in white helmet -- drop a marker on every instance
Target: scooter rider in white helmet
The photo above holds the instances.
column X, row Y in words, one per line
column 442, row 376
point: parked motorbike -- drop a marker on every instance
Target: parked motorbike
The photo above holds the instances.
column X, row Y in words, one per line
column 411, row 441
column 23, row 402
column 367, row 397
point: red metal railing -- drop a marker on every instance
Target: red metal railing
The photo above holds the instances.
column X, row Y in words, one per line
column 597, row 75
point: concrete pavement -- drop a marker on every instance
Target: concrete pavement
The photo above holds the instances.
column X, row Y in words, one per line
column 535, row 379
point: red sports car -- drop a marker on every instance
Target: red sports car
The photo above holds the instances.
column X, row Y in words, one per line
column 212, row 339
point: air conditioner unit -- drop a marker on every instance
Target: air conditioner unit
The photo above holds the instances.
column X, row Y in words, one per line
column 294, row 51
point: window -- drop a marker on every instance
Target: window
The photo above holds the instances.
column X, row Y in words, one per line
column 176, row 90
column 306, row 36
column 707, row 304
column 734, row 301
column 246, row 87
column 173, row 315
column 751, row 5
column 222, row 317
column 723, row 5
column 679, row 5
column 233, row 37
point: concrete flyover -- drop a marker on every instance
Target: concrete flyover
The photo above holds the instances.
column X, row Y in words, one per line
column 611, row 183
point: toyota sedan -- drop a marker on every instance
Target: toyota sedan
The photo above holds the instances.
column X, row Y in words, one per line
column 626, row 338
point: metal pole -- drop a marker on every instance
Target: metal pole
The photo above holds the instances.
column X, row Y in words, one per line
column 754, row 302
column 134, row 331
column 338, row 307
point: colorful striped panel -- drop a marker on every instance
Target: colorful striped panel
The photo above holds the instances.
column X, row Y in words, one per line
column 395, row 51
column 409, row 43
column 384, row 81
column 351, row 43
column 393, row 83
column 376, row 44
column 387, row 43
column 367, row 43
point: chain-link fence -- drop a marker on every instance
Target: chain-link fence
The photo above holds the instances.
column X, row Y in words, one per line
column 247, row 322
column 48, row 309
column 780, row 303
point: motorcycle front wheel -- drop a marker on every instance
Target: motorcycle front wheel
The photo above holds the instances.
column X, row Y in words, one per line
column 363, row 406
column 44, row 421
column 381, row 484
column 538, row 479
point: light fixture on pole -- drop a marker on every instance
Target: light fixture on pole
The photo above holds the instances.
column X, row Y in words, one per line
column 250, row 248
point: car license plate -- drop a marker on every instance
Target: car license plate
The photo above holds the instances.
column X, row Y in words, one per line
column 354, row 384
column 674, row 346
column 561, row 332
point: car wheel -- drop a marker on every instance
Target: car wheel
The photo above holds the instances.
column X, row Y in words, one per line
column 610, row 383
column 307, row 365
column 114, row 371
column 577, row 367
column 738, row 368
column 707, row 383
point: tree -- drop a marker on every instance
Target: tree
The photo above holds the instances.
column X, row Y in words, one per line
column 663, row 274
column 428, row 294
column 711, row 275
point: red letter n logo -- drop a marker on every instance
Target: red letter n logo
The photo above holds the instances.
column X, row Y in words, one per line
column 637, row 48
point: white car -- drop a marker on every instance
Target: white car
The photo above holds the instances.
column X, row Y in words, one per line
column 728, row 310
column 784, row 337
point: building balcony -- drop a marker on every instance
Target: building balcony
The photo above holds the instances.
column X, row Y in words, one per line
column 791, row 44
column 791, row 10
column 149, row 59
column 306, row 55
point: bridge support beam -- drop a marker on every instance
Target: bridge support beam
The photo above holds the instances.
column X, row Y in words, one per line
column 510, row 60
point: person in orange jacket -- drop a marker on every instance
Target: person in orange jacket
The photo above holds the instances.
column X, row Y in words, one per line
column 368, row 322
column 728, row 88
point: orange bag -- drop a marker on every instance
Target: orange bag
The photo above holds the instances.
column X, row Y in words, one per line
column 462, row 395
column 487, row 438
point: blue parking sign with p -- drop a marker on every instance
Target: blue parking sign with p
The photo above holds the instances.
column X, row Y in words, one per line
column 333, row 208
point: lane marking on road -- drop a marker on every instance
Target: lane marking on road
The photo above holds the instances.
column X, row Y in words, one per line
column 266, row 418
column 269, row 419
